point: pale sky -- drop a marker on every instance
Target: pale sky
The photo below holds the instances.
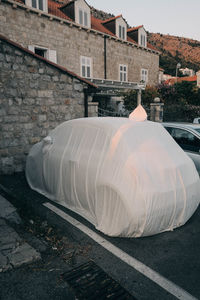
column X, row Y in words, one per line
column 174, row 17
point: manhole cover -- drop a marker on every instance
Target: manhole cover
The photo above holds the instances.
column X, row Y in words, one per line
column 90, row 282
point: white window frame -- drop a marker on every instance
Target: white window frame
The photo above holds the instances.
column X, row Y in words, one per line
column 123, row 73
column 144, row 75
column 86, row 67
column 143, row 40
column 121, row 32
column 49, row 54
column 37, row 4
column 83, row 17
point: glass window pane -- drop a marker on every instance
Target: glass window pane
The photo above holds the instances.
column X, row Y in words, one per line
column 121, row 68
column 124, row 76
column 83, row 71
column 120, row 31
column 88, row 72
column 34, row 4
column 80, row 17
column 123, row 32
column 41, row 4
column 85, row 19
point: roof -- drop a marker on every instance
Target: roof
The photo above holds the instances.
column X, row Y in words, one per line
column 72, row 74
column 134, row 28
column 111, row 19
column 55, row 8
column 173, row 80
column 97, row 25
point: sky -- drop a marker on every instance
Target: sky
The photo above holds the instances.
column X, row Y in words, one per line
column 174, row 17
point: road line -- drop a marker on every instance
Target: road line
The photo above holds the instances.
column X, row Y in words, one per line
column 166, row 284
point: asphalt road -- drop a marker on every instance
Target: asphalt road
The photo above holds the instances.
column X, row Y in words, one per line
column 173, row 255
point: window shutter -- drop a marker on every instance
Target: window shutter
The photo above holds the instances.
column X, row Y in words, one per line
column 80, row 17
column 85, row 19
column 120, row 31
column 123, row 33
column 52, row 56
column 31, row 48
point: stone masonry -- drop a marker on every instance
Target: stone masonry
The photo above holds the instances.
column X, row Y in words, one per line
column 70, row 41
column 35, row 96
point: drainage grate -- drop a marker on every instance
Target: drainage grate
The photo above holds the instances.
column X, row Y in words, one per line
column 90, row 282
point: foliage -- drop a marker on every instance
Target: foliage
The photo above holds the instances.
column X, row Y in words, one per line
column 130, row 97
column 169, row 62
column 181, row 93
column 177, row 99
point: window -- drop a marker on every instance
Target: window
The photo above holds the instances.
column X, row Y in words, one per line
column 83, row 17
column 144, row 75
column 39, row 4
column 86, row 69
column 186, row 140
column 122, row 72
column 121, row 32
column 143, row 40
column 44, row 52
column 41, row 52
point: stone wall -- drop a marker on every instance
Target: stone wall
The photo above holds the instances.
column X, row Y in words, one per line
column 35, row 96
column 28, row 27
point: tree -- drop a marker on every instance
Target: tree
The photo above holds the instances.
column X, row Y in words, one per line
column 130, row 97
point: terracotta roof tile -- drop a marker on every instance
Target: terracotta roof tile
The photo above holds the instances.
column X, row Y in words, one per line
column 172, row 81
column 111, row 19
column 54, row 9
column 134, row 28
column 96, row 24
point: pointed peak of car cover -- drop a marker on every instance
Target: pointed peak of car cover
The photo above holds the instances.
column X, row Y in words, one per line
column 139, row 114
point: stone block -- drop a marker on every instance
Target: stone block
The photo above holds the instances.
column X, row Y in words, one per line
column 55, row 78
column 46, row 78
column 42, row 118
column 23, row 254
column 4, row 265
column 1, row 57
column 34, row 84
column 28, row 126
column 17, row 52
column 11, row 119
column 63, row 78
column 7, row 161
column 15, row 67
column 78, row 87
column 34, row 140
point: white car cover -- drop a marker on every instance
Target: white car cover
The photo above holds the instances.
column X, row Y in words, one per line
column 126, row 176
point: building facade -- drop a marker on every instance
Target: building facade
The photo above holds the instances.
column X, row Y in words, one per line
column 35, row 96
column 68, row 34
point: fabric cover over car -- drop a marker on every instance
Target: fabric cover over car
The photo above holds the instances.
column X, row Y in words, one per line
column 128, row 178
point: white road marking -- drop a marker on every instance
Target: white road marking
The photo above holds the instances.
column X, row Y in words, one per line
column 166, row 284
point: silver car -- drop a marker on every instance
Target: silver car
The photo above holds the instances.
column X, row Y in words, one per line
column 187, row 135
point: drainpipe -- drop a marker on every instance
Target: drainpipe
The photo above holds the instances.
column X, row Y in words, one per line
column 85, row 103
column 105, row 58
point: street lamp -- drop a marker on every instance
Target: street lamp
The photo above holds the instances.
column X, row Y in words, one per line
column 141, row 86
column 177, row 67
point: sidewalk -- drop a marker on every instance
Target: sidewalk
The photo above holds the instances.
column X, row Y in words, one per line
column 14, row 251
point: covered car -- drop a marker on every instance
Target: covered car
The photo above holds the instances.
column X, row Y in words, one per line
column 128, row 177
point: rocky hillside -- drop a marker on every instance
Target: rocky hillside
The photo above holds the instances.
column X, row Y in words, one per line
column 173, row 49
column 176, row 49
